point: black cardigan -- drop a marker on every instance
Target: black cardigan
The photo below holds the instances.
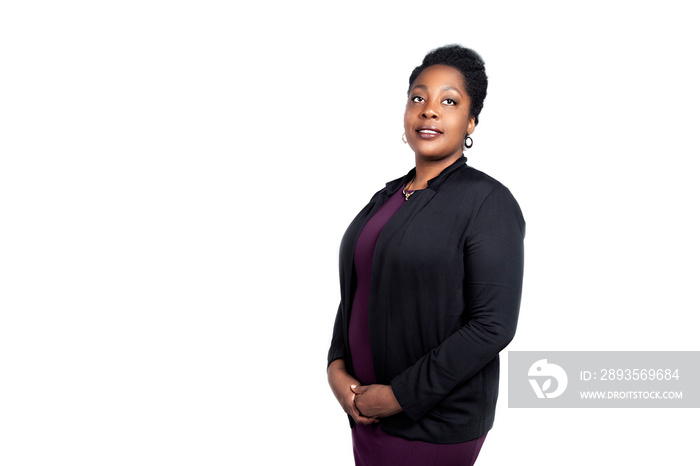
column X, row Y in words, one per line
column 444, row 299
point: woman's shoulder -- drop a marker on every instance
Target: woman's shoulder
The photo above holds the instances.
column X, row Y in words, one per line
column 475, row 182
column 475, row 191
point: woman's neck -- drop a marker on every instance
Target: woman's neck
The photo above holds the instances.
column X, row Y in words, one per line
column 426, row 170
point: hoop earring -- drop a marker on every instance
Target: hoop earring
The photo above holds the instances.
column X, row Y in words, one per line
column 403, row 138
column 468, row 142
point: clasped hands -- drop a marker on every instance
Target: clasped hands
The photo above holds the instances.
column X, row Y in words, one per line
column 375, row 401
column 364, row 403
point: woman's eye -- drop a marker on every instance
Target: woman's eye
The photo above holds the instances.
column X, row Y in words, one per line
column 449, row 102
column 417, row 99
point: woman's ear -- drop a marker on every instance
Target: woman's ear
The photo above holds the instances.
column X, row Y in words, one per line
column 471, row 125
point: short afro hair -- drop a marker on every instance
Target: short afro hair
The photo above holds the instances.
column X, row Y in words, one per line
column 467, row 62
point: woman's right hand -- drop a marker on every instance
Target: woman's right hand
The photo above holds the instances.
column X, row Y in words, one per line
column 340, row 381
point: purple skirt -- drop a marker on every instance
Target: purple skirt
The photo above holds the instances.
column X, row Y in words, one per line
column 373, row 447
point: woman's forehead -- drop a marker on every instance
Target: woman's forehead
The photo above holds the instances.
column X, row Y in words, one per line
column 440, row 76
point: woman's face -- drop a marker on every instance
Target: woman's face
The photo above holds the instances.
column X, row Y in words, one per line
column 437, row 116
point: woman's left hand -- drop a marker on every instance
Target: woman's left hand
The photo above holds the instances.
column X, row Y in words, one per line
column 376, row 400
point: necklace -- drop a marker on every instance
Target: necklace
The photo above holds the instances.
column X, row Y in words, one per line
column 408, row 194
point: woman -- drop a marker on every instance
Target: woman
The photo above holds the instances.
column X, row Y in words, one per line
column 431, row 276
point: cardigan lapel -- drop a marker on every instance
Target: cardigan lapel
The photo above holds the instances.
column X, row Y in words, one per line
column 392, row 231
column 347, row 267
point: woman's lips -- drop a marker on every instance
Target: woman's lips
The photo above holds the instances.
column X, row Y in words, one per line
column 428, row 132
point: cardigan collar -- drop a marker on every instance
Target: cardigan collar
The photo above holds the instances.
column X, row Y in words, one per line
column 433, row 184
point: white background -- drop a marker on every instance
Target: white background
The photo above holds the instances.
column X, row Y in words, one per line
column 175, row 178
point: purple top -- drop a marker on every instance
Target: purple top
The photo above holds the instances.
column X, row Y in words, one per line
column 371, row 445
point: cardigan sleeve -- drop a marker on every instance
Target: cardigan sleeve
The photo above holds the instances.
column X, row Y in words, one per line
column 337, row 349
column 493, row 262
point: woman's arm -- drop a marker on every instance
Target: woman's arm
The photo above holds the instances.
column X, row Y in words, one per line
column 337, row 349
column 493, row 262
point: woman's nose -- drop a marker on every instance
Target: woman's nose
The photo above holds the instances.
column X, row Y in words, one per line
column 429, row 112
